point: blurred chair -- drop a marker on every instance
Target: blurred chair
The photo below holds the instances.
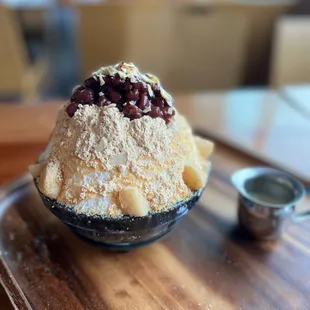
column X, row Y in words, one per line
column 262, row 16
column 208, row 49
column 189, row 47
column 291, row 51
column 138, row 32
column 19, row 78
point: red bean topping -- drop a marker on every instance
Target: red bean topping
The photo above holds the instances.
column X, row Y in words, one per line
column 133, row 99
column 155, row 112
column 113, row 95
column 127, row 85
column 132, row 95
column 92, row 83
column 132, row 111
column 141, row 86
column 71, row 109
column 158, row 102
column 143, row 101
column 84, row 96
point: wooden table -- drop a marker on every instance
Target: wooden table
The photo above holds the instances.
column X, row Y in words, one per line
column 205, row 263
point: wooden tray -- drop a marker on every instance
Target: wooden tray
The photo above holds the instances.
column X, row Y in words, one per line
column 205, row 263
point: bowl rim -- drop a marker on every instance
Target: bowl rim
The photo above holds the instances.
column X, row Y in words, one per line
column 68, row 215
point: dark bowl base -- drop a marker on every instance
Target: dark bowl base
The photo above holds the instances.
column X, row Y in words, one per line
column 125, row 233
column 120, row 247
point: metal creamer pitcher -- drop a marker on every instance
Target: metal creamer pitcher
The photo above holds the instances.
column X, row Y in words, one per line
column 267, row 200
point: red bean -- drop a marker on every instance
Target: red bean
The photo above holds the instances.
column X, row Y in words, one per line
column 132, row 95
column 122, row 91
column 156, row 90
column 127, row 85
column 85, row 96
column 132, row 111
column 71, row 109
column 159, row 102
column 143, row 101
column 92, row 83
column 141, row 86
column 155, row 112
column 114, row 96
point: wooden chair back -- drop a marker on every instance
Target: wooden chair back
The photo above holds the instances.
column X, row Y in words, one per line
column 208, row 49
column 132, row 31
column 291, row 52
column 13, row 54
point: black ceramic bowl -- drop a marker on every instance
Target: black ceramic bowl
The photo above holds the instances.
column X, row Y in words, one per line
column 123, row 233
